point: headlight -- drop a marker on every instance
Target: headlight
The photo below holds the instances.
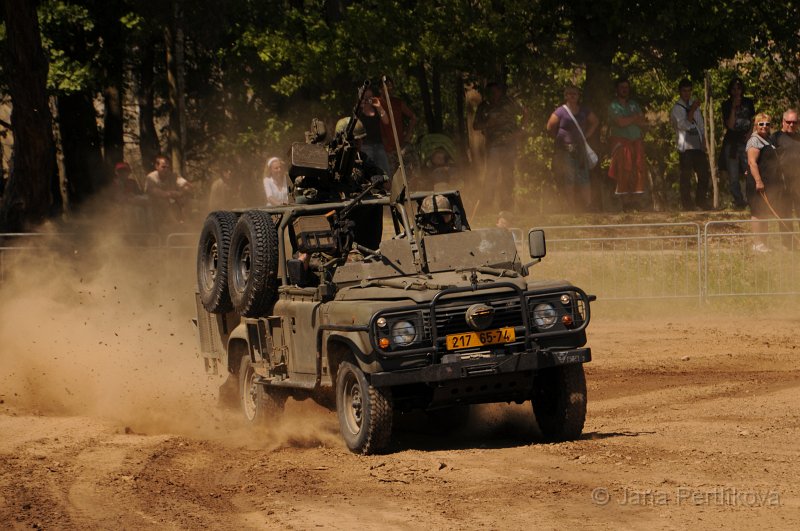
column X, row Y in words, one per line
column 403, row 333
column 544, row 315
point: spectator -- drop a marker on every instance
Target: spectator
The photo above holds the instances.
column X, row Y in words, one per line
column 276, row 188
column 628, row 166
column 125, row 183
column 129, row 197
column 737, row 113
column 496, row 117
column 505, row 219
column 373, row 116
column 765, row 188
column 165, row 187
column 787, row 142
column 224, row 193
column 405, row 121
column 688, row 123
column 570, row 163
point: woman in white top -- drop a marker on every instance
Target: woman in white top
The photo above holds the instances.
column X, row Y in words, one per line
column 275, row 185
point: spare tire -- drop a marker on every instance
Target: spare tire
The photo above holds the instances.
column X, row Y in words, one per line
column 212, row 261
column 253, row 264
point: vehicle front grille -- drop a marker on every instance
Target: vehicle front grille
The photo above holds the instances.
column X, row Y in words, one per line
column 451, row 318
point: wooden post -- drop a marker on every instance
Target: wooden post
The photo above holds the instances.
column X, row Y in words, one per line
column 711, row 143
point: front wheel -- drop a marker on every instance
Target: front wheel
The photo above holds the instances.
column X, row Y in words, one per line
column 365, row 412
column 559, row 402
column 259, row 405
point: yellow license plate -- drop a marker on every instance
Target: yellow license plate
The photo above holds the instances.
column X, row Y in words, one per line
column 479, row 339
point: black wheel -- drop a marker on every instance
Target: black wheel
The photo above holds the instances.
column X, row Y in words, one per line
column 212, row 261
column 253, row 264
column 365, row 412
column 259, row 405
column 559, row 402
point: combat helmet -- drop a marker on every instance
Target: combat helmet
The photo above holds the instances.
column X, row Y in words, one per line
column 358, row 131
column 436, row 204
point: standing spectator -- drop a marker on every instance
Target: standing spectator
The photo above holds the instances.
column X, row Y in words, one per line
column 787, row 142
column 373, row 116
column 129, row 197
column 496, row 117
column 224, row 193
column 688, row 123
column 628, row 167
column 570, row 163
column 170, row 190
column 765, row 188
column 125, row 183
column 405, row 121
column 737, row 113
column 276, row 188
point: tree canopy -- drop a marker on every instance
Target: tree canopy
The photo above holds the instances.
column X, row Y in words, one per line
column 243, row 78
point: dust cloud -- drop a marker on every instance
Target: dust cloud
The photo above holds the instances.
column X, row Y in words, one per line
column 94, row 323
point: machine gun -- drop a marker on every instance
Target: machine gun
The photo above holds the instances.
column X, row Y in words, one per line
column 323, row 171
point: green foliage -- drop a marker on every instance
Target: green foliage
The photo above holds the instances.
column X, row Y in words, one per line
column 257, row 71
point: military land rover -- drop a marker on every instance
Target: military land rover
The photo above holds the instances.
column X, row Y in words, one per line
column 291, row 303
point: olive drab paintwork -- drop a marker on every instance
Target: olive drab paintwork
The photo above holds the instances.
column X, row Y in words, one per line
column 437, row 316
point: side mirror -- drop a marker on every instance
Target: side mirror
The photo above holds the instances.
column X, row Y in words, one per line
column 537, row 244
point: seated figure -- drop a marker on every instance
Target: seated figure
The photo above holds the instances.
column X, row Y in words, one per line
column 436, row 216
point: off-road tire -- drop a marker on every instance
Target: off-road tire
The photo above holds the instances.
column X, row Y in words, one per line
column 364, row 411
column 559, row 402
column 253, row 264
column 259, row 405
column 212, row 261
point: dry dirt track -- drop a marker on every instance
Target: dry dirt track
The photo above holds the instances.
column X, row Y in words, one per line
column 107, row 421
column 708, row 442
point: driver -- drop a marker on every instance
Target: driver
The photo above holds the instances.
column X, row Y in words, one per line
column 436, row 215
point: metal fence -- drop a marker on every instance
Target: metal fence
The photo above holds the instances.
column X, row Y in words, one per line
column 615, row 262
column 633, row 261
column 733, row 265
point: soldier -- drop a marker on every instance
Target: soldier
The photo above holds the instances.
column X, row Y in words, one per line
column 436, row 216
column 367, row 219
column 364, row 170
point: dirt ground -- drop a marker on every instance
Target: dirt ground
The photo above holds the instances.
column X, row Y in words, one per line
column 108, row 421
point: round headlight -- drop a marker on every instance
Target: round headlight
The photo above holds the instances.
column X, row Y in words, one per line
column 403, row 333
column 544, row 315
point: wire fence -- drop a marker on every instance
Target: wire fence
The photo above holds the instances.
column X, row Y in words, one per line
column 666, row 261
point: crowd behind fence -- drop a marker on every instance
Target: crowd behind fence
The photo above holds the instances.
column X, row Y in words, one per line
column 615, row 262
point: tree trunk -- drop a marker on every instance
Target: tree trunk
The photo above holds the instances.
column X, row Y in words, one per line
column 425, row 94
column 113, row 137
column 28, row 198
column 461, row 118
column 80, row 143
column 436, row 75
column 174, row 42
column 149, row 145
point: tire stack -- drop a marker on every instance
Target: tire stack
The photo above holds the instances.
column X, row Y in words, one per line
column 237, row 263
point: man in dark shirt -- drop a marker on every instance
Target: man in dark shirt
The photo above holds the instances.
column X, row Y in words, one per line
column 787, row 142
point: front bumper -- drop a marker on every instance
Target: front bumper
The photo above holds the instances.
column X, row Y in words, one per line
column 482, row 366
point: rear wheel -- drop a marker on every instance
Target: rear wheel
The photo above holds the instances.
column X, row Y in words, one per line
column 259, row 405
column 212, row 261
column 559, row 402
column 364, row 411
column 253, row 264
